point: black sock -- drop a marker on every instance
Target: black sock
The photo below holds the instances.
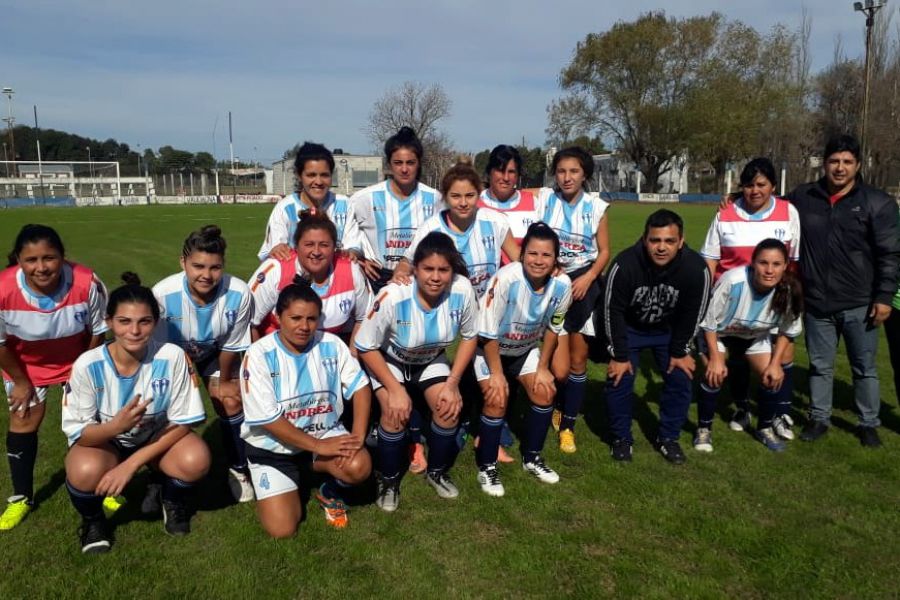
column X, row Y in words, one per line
column 391, row 446
column 176, row 490
column 537, row 421
column 21, row 451
column 739, row 383
column 488, row 440
column 786, row 393
column 442, row 448
column 231, row 440
column 576, row 387
column 88, row 504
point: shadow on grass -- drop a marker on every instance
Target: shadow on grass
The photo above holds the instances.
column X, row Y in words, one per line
column 48, row 489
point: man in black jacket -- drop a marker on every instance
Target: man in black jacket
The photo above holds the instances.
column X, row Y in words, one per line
column 849, row 252
column 654, row 298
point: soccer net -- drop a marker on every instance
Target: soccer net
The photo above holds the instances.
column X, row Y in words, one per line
column 54, row 180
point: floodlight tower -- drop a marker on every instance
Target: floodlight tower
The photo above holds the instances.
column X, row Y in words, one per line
column 868, row 8
column 10, row 121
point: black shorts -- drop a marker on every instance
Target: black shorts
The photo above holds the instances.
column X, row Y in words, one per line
column 417, row 378
column 581, row 310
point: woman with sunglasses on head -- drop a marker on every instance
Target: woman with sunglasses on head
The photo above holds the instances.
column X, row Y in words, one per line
column 51, row 310
column 314, row 169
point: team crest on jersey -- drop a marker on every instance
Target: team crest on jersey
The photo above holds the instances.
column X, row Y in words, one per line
column 260, row 278
column 488, row 242
column 330, row 363
column 586, row 216
column 554, row 301
column 160, row 387
column 428, row 209
column 345, row 305
column 456, row 314
column 780, row 233
column 231, row 317
column 80, row 316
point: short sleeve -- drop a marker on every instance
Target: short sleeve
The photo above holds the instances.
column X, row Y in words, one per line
column 185, row 404
column 794, row 248
column 493, row 305
column 257, row 392
column 264, row 290
column 718, row 305
column 97, row 298
column 79, row 404
column 239, row 339
column 468, row 325
column 353, row 378
column 417, row 239
column 278, row 231
column 711, row 248
column 362, row 294
column 376, row 325
column 559, row 315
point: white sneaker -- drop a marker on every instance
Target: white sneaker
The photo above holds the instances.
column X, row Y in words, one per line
column 240, row 485
column 489, row 480
column 539, row 469
column 703, row 440
column 782, row 426
column 388, row 498
column 442, row 484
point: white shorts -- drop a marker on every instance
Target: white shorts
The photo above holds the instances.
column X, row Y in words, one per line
column 280, row 473
column 512, row 365
column 40, row 393
column 439, row 369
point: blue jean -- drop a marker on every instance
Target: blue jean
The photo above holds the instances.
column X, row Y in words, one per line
column 676, row 394
column 861, row 339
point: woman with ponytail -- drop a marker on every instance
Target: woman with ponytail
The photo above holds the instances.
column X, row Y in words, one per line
column 128, row 404
column 51, row 310
column 747, row 305
column 207, row 312
column 390, row 212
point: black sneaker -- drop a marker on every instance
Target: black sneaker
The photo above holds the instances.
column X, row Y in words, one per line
column 813, row 430
column 868, row 437
column 740, row 421
column 671, row 451
column 176, row 518
column 95, row 537
column 621, row 450
column 151, row 504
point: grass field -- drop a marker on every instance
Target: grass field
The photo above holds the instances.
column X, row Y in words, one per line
column 820, row 520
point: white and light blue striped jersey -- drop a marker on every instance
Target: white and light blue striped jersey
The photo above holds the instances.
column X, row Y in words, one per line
column 576, row 225
column 517, row 316
column 481, row 245
column 388, row 224
column 736, row 309
column 204, row 331
column 284, row 218
column 96, row 392
column 308, row 389
column 407, row 332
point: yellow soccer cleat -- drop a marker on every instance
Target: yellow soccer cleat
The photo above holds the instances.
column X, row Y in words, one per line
column 15, row 512
column 567, row 441
column 111, row 505
column 557, row 419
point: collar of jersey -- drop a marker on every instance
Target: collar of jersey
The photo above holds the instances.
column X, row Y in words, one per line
column 42, row 301
column 444, row 217
column 528, row 281
column 387, row 187
column 298, row 200
column 109, row 359
column 187, row 292
column 312, row 342
column 418, row 302
column 570, row 205
column 757, row 216
column 320, row 289
column 510, row 204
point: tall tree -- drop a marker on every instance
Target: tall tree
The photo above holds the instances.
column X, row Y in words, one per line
column 421, row 107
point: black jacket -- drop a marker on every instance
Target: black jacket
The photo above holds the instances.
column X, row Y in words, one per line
column 639, row 295
column 849, row 252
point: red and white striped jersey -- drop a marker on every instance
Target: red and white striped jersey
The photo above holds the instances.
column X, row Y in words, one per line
column 734, row 233
column 47, row 333
column 519, row 210
column 345, row 296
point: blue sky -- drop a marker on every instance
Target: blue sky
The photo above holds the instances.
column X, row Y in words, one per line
column 163, row 72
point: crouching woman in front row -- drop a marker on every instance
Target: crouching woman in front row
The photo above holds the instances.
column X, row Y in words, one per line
column 749, row 306
column 296, row 380
column 130, row 403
